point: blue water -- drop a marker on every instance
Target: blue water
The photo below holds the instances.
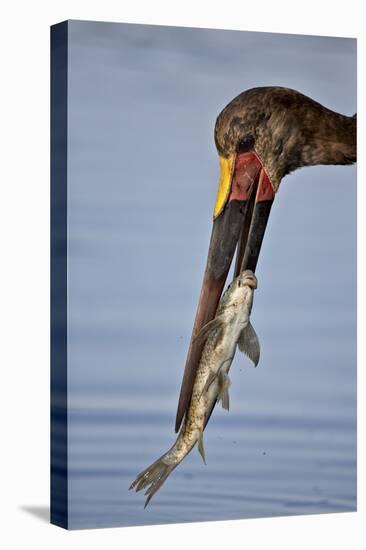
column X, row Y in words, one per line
column 142, row 102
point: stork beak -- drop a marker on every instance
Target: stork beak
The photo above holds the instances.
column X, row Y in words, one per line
column 242, row 208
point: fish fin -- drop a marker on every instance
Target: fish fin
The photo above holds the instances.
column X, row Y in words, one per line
column 223, row 395
column 248, row 343
column 208, row 328
column 201, row 448
column 152, row 478
column 210, row 379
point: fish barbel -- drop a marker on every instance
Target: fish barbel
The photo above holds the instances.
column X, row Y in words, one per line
column 230, row 327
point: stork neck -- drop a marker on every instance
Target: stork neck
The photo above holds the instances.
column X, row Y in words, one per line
column 335, row 139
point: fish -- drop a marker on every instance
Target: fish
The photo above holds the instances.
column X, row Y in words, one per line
column 231, row 328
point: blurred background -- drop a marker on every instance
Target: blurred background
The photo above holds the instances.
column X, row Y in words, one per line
column 142, row 180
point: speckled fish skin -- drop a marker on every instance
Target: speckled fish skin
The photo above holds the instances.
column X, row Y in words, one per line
column 230, row 327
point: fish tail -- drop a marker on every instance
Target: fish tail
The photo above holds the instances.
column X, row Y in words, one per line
column 153, row 477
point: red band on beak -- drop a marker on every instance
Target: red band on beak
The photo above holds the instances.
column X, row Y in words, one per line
column 265, row 190
column 246, row 170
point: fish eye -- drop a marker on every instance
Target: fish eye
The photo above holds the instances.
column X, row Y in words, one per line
column 246, row 144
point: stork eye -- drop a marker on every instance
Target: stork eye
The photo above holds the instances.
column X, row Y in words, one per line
column 246, row 144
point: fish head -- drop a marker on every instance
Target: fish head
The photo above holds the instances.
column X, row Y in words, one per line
column 240, row 288
column 247, row 278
